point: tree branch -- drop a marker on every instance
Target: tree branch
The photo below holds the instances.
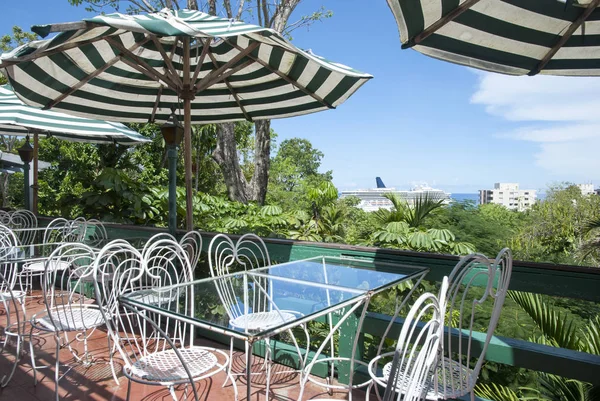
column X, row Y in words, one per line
column 240, row 10
column 227, row 5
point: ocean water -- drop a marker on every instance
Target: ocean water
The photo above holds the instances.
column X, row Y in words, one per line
column 475, row 197
column 465, row 197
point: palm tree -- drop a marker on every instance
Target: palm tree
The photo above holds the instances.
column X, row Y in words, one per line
column 591, row 247
column 558, row 329
column 413, row 215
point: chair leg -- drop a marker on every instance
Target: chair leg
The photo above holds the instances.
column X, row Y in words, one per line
column 268, row 367
column 57, row 367
column 368, row 391
column 128, row 389
column 32, row 355
column 6, row 378
column 172, row 392
column 111, row 359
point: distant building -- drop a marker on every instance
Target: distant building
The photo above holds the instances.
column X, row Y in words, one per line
column 508, row 195
column 586, row 189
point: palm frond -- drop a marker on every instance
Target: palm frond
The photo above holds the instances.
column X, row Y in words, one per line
column 591, row 225
column 496, row 392
column 591, row 336
column 559, row 388
column 554, row 325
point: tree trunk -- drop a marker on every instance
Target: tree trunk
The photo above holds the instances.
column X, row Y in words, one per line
column 262, row 160
column 4, row 185
column 226, row 156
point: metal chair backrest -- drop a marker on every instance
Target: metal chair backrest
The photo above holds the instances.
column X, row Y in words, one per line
column 4, row 217
column 95, row 232
column 417, row 350
column 120, row 270
column 8, row 250
column 155, row 238
column 25, row 223
column 67, row 271
column 61, row 230
column 474, row 282
column 224, row 257
column 191, row 242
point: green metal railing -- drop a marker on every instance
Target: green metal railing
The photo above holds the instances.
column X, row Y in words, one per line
column 555, row 280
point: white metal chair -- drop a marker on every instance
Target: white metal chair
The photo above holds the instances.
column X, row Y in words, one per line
column 68, row 308
column 11, row 305
column 59, row 231
column 11, row 298
column 474, row 281
column 407, row 377
column 24, row 223
column 156, row 349
column 247, row 253
column 191, row 242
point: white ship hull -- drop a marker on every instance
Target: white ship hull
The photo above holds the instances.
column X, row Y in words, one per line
column 373, row 199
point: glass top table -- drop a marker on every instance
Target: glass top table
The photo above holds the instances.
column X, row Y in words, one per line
column 309, row 288
column 280, row 297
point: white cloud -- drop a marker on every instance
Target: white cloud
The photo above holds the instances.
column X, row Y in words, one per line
column 561, row 114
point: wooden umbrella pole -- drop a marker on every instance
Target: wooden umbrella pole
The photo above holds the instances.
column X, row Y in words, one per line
column 34, row 203
column 187, row 124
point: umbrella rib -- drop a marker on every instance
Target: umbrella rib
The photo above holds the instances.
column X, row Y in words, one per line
column 167, row 60
column 149, row 73
column 564, row 38
column 205, row 49
column 209, row 78
column 433, row 28
column 287, row 79
column 73, row 26
column 207, row 84
column 233, row 93
column 94, row 74
column 142, row 63
column 160, row 89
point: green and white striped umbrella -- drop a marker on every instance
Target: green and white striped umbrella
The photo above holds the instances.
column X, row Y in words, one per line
column 16, row 118
column 514, row 37
column 131, row 69
column 136, row 68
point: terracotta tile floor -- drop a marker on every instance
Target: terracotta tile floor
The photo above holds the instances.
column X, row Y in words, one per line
column 96, row 383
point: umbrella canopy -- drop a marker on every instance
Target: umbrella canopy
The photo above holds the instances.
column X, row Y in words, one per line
column 516, row 37
column 136, row 68
column 16, row 118
column 132, row 68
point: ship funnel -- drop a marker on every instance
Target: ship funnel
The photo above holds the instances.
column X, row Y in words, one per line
column 380, row 183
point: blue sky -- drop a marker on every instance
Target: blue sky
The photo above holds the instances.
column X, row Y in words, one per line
column 420, row 119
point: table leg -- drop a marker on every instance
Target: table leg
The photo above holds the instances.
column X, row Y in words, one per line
column 351, row 343
column 249, row 347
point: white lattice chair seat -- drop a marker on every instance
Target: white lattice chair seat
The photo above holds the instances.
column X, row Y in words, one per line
column 401, row 384
column 5, row 296
column 458, row 378
column 40, row 266
column 165, row 366
column 71, row 319
column 262, row 320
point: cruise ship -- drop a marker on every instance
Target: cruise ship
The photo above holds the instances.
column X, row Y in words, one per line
column 373, row 199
